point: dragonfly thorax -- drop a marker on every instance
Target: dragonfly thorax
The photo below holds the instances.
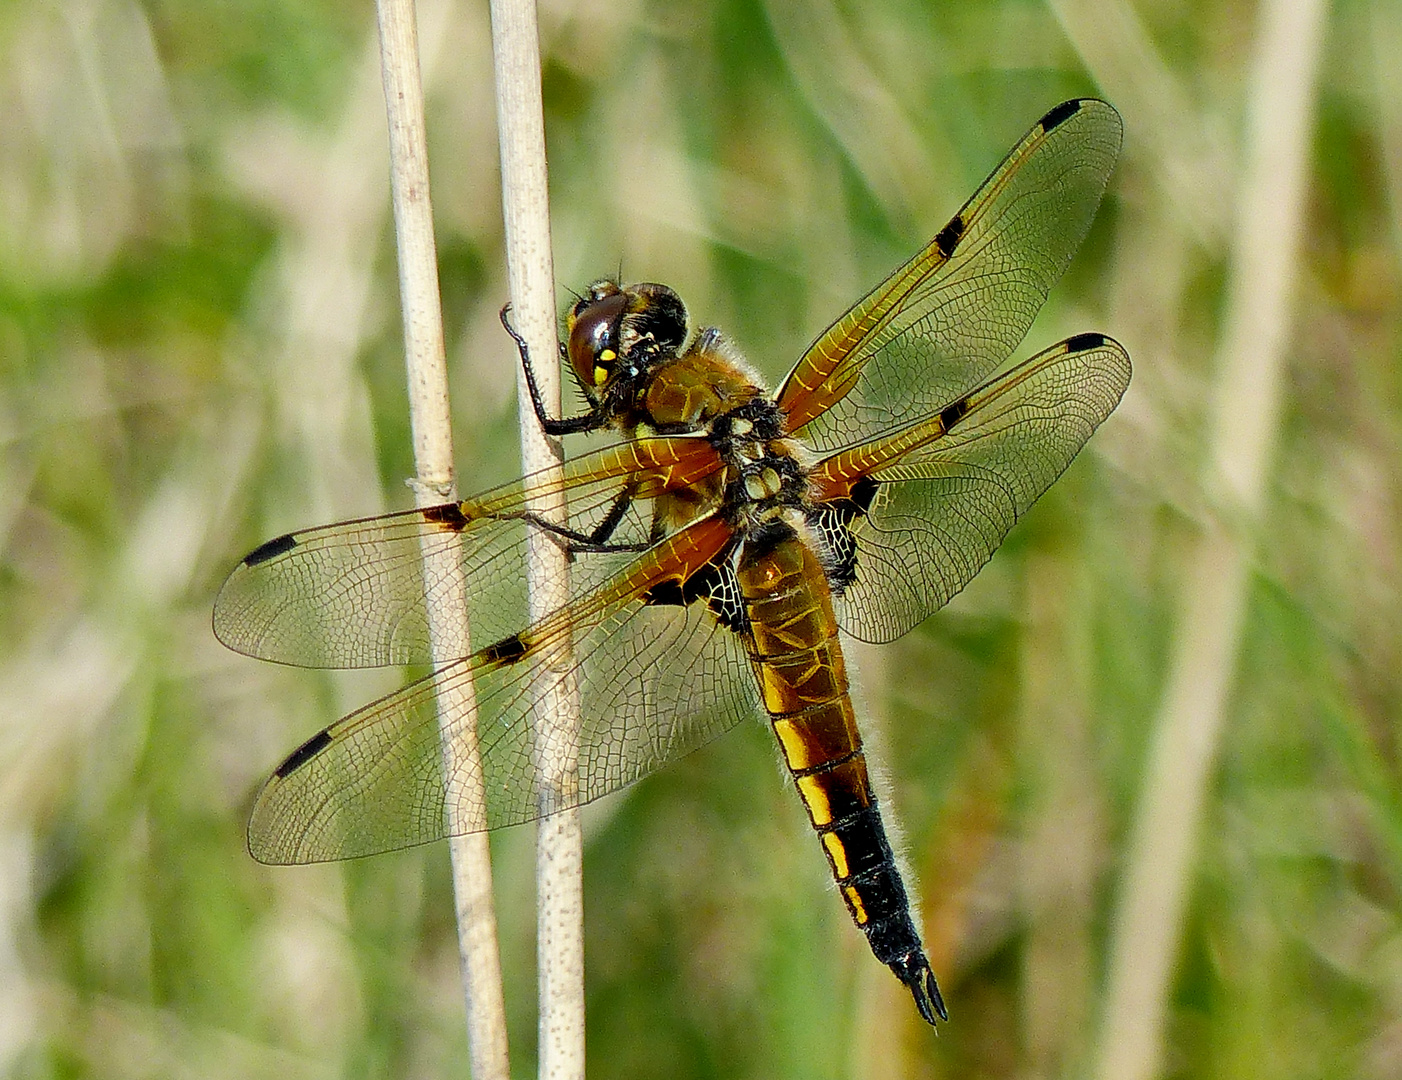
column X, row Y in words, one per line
column 765, row 471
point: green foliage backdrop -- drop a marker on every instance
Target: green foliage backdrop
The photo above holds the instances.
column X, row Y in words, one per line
column 199, row 349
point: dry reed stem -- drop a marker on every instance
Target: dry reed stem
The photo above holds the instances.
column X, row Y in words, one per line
column 560, row 839
column 1246, row 409
column 430, row 419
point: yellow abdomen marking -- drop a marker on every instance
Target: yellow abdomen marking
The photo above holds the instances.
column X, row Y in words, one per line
column 837, row 855
column 799, row 680
column 781, row 626
column 834, row 793
column 855, row 905
column 816, row 799
column 818, row 735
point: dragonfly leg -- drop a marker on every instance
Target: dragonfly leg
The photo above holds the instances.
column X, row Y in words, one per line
column 569, row 425
column 574, row 542
column 596, row 540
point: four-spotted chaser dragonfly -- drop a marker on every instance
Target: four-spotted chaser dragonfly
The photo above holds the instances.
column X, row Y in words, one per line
column 716, row 553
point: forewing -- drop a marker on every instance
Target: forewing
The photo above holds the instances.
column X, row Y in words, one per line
column 938, row 325
column 352, row 595
column 923, row 509
column 654, row 682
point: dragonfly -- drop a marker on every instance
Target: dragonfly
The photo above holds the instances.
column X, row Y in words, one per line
column 717, row 554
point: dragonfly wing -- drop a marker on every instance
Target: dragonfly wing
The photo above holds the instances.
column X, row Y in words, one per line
column 655, row 673
column 351, row 595
column 912, row 517
column 942, row 322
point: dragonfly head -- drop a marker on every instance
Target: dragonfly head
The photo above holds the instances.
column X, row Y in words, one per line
column 618, row 333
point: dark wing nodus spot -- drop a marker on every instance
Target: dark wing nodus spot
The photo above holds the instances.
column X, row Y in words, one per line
column 271, row 550
column 947, row 239
column 952, row 414
column 303, row 754
column 506, row 651
column 1059, row 114
column 449, row 515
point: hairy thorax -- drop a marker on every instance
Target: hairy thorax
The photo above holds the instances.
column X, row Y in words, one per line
column 709, row 391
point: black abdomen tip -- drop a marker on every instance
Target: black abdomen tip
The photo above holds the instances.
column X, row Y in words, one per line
column 914, row 971
column 952, row 414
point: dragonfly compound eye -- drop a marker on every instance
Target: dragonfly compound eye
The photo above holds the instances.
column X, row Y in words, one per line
column 593, row 344
column 657, row 318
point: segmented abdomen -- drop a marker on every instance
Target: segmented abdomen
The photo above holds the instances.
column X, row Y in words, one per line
column 797, row 659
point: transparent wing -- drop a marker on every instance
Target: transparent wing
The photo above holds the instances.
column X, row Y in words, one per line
column 654, row 682
column 920, row 511
column 352, row 594
column 942, row 322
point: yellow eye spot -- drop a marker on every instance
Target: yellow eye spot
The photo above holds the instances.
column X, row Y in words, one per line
column 608, row 356
column 601, row 375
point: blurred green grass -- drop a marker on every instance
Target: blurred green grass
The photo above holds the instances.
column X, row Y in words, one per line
column 199, row 348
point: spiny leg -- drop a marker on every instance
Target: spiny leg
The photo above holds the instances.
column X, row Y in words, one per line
column 569, row 425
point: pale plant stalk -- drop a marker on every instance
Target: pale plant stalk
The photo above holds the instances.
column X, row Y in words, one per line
column 1246, row 408
column 430, row 420
column 1057, row 855
column 560, row 841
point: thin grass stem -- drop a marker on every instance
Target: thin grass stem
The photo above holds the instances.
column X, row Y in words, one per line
column 430, row 419
column 560, row 843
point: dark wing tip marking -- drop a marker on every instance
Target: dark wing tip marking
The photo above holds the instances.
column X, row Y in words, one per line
column 1059, row 114
column 952, row 414
column 271, row 550
column 1085, row 342
column 506, row 651
column 449, row 515
column 303, row 754
column 947, row 239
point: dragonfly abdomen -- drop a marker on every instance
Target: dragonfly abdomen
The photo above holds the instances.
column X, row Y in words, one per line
column 797, row 660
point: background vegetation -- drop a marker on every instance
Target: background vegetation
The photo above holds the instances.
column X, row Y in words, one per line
column 199, row 348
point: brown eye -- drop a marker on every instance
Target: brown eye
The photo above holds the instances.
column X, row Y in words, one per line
column 593, row 345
